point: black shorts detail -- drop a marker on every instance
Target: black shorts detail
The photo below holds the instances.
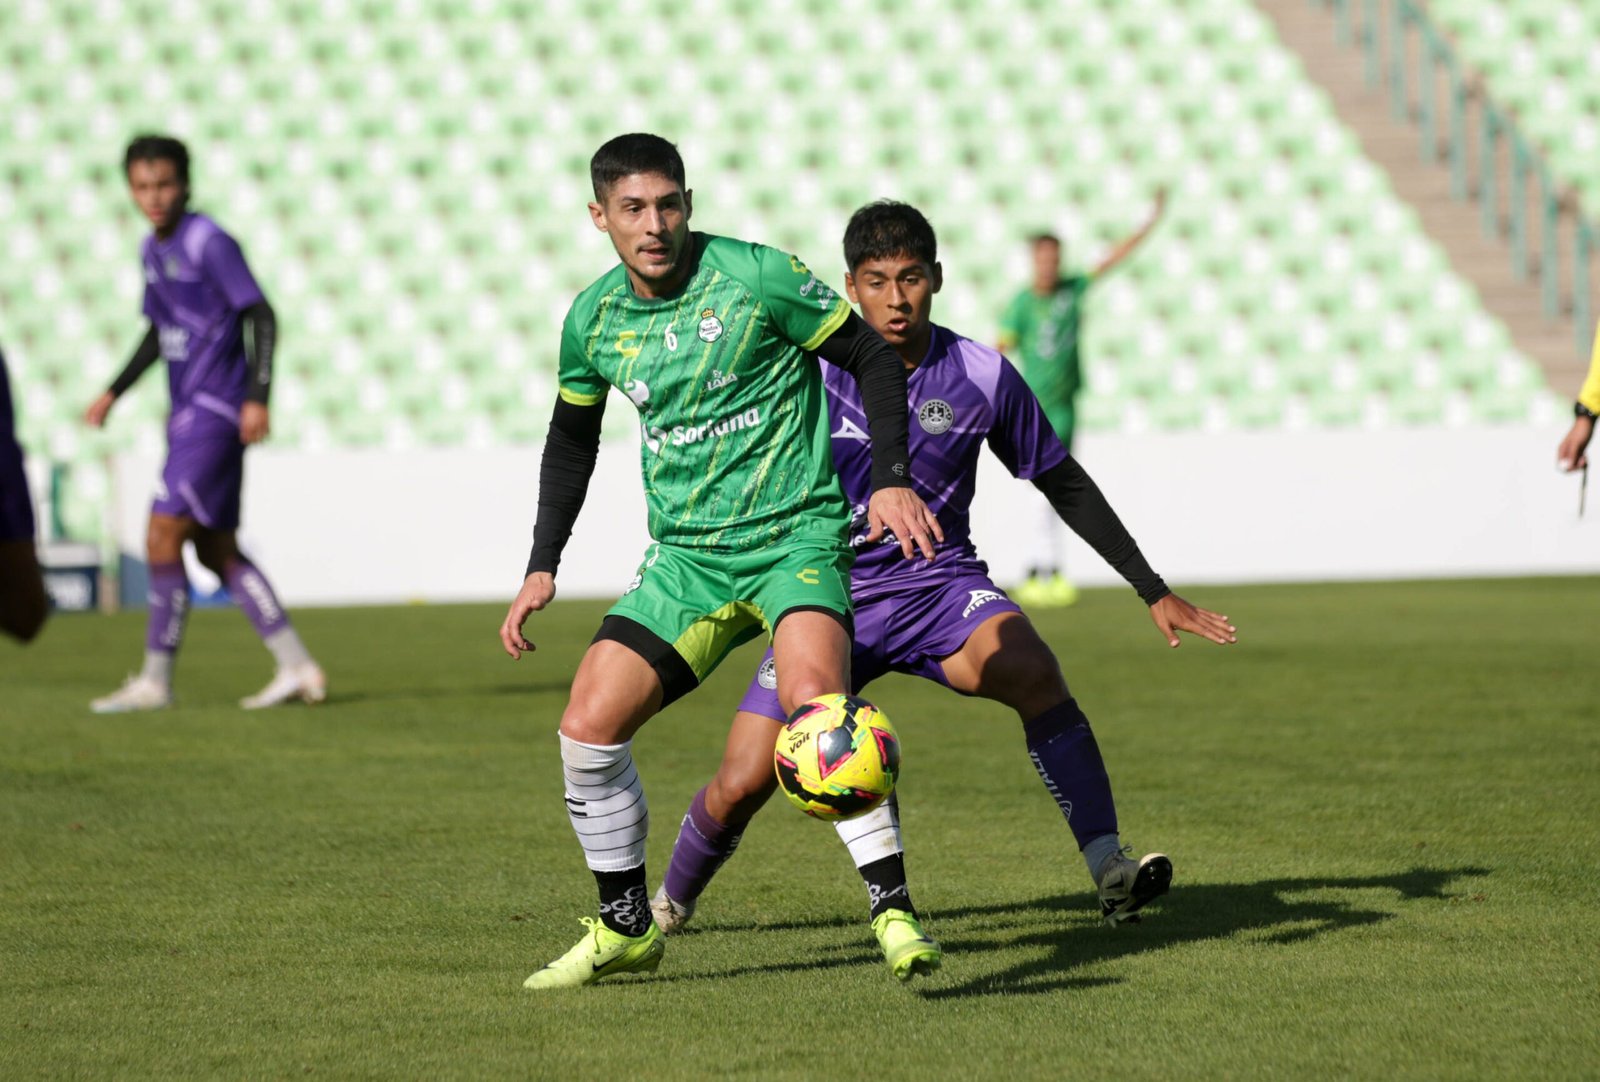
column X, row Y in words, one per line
column 843, row 619
column 677, row 678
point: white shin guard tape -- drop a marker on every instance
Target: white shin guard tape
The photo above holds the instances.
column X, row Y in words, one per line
column 605, row 803
column 874, row 835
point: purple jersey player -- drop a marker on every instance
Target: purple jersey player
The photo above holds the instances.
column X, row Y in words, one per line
column 210, row 322
column 23, row 606
column 945, row 620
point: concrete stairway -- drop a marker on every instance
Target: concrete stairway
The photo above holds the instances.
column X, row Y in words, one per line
column 1308, row 30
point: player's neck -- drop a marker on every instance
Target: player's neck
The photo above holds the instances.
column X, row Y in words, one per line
column 171, row 228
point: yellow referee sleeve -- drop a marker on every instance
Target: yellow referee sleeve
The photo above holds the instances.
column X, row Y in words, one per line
column 1590, row 395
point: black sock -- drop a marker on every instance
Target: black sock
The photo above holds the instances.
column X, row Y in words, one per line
column 624, row 901
column 886, row 885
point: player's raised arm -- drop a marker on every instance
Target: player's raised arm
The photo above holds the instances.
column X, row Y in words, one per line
column 145, row 355
column 879, row 372
column 570, row 452
column 1127, row 245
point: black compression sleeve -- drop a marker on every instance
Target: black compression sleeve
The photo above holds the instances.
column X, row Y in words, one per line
column 143, row 357
column 1082, row 506
column 570, row 451
column 861, row 351
column 260, row 339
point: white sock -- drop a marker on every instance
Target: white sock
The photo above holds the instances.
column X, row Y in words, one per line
column 287, row 648
column 605, row 802
column 874, row 835
column 157, row 667
column 1098, row 851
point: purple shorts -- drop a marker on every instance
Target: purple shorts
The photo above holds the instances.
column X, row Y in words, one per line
column 909, row 632
column 16, row 505
column 202, row 480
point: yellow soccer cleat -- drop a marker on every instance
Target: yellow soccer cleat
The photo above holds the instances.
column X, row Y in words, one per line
column 906, row 947
column 599, row 954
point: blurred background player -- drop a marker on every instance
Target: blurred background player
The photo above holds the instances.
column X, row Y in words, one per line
column 1041, row 328
column 23, row 605
column 1570, row 454
column 710, row 338
column 945, row 621
column 212, row 325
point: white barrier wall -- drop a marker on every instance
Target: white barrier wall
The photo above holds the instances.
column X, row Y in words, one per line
column 380, row 526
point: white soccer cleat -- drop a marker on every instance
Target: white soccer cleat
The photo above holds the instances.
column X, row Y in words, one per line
column 139, row 693
column 1127, row 886
column 304, row 682
column 670, row 915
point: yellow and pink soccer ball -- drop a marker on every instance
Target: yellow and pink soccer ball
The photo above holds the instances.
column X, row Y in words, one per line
column 837, row 757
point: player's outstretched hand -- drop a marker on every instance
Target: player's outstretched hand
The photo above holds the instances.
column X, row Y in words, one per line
column 1570, row 456
column 901, row 511
column 1173, row 614
column 95, row 415
column 254, row 424
column 537, row 591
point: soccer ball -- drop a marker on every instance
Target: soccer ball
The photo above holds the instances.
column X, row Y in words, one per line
column 837, row 757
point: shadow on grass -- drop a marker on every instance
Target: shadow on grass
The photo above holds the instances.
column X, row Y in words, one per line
column 1270, row 911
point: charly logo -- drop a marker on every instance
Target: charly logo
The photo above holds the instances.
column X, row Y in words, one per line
column 978, row 599
column 767, row 675
column 936, row 416
column 710, row 326
column 720, row 380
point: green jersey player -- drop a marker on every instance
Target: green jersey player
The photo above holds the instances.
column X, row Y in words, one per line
column 1041, row 327
column 711, row 339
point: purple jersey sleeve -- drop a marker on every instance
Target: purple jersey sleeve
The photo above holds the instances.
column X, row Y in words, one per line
column 224, row 267
column 1022, row 437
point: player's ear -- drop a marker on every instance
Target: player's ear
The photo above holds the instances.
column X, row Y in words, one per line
column 850, row 287
column 937, row 277
column 597, row 215
column 688, row 203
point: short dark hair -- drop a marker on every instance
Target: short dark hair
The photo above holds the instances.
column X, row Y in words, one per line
column 888, row 228
column 155, row 148
column 638, row 152
column 1044, row 238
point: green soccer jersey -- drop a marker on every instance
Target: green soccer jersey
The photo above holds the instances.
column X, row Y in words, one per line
column 731, row 407
column 1043, row 333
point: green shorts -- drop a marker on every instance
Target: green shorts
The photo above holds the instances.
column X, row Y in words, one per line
column 704, row 605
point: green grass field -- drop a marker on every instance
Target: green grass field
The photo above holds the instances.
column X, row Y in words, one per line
column 1382, row 806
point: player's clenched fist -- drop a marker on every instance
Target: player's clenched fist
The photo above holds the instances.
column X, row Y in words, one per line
column 537, row 591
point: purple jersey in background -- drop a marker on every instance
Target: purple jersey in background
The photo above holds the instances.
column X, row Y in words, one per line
column 962, row 396
column 196, row 284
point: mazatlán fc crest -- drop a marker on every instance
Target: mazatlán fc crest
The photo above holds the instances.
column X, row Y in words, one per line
column 710, row 326
column 767, row 675
column 936, row 416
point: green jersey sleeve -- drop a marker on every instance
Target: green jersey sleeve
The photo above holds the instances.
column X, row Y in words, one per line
column 580, row 384
column 802, row 306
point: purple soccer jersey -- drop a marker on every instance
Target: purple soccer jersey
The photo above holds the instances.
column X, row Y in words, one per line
column 16, row 505
column 196, row 285
column 961, row 396
column 911, row 613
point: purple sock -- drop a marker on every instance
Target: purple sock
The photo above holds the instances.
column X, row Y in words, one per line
column 169, row 607
column 1063, row 750
column 251, row 591
column 703, row 845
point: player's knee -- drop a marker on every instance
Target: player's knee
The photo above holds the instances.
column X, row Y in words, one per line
column 737, row 793
column 804, row 687
column 1028, row 681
